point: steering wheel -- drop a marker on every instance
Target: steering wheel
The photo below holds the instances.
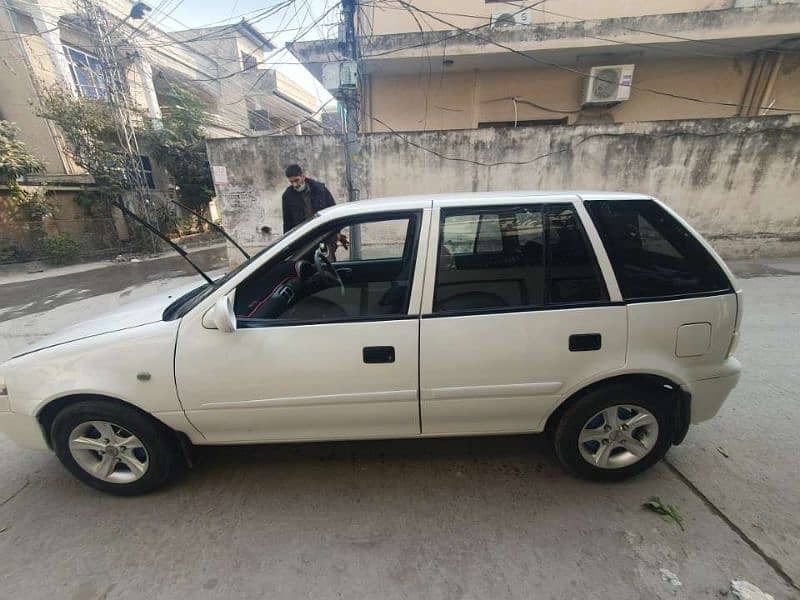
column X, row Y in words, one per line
column 325, row 267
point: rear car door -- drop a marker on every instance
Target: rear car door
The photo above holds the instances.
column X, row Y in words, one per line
column 516, row 313
column 312, row 359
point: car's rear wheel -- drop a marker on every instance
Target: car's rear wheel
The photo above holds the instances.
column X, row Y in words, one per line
column 615, row 432
column 114, row 447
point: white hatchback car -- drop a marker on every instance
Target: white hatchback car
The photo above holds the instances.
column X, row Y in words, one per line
column 601, row 318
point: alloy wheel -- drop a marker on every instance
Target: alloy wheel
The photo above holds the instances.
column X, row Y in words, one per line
column 108, row 452
column 618, row 436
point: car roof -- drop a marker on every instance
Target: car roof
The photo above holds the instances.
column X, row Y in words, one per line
column 474, row 198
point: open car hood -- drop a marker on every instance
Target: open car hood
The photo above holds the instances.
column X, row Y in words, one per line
column 133, row 314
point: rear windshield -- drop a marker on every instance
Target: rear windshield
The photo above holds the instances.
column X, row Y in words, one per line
column 653, row 255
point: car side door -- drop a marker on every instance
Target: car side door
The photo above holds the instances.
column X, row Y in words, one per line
column 517, row 312
column 312, row 357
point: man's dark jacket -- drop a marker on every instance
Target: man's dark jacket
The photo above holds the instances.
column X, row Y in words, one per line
column 294, row 211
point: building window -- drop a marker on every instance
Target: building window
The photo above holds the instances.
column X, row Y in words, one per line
column 249, row 62
column 147, row 171
column 87, row 72
column 259, row 120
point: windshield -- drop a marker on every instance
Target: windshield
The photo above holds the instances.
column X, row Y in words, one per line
column 188, row 301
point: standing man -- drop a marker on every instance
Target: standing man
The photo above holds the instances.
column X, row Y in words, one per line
column 303, row 198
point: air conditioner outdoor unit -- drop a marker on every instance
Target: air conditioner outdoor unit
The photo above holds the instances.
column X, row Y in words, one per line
column 609, row 84
column 511, row 18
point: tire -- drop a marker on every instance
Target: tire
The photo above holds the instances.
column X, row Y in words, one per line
column 588, row 417
column 154, row 451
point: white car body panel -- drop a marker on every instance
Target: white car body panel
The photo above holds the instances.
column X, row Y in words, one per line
column 133, row 314
column 299, row 382
column 488, row 373
column 107, row 365
column 491, row 373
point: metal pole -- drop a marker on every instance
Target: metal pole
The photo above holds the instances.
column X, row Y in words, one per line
column 349, row 96
column 117, row 91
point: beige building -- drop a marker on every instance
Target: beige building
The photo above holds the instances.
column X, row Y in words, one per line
column 51, row 44
column 440, row 64
column 46, row 44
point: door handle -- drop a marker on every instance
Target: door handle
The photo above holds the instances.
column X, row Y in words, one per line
column 378, row 354
column 585, row 342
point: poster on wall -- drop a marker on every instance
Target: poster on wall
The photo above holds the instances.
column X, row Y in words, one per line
column 219, row 174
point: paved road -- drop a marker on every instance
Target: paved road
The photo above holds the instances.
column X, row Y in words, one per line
column 39, row 295
column 452, row 518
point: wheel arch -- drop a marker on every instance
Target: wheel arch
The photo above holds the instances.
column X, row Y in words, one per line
column 652, row 381
column 48, row 412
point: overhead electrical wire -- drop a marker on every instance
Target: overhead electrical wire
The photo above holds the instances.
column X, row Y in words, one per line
column 558, row 66
column 220, row 120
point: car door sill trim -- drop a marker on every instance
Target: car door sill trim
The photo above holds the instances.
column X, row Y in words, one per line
column 328, row 399
column 514, row 390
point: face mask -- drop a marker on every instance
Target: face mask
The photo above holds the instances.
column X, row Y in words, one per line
column 300, row 188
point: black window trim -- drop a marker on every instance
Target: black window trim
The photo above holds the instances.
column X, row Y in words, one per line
column 255, row 323
column 415, row 221
column 522, row 309
column 545, row 207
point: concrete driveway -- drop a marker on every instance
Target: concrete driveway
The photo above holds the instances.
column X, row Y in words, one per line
column 484, row 517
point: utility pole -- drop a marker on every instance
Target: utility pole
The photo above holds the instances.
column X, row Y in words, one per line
column 348, row 95
column 120, row 102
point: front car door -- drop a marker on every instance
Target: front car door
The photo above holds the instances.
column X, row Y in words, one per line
column 314, row 358
column 516, row 313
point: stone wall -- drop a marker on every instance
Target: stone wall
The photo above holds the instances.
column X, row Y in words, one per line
column 736, row 180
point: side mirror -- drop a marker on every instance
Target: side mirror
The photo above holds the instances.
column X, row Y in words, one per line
column 221, row 316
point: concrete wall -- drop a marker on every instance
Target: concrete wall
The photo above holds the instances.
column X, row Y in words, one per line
column 462, row 100
column 388, row 18
column 736, row 180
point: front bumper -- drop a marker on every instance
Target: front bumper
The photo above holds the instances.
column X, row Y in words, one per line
column 23, row 430
column 709, row 393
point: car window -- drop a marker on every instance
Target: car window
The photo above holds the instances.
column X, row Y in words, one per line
column 318, row 279
column 378, row 240
column 652, row 254
column 490, row 236
column 507, row 257
column 573, row 275
column 459, row 233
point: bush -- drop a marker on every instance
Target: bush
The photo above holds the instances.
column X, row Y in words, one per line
column 8, row 254
column 60, row 249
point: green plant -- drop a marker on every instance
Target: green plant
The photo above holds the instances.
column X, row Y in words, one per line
column 33, row 206
column 8, row 254
column 177, row 143
column 87, row 125
column 60, row 249
column 668, row 512
column 15, row 159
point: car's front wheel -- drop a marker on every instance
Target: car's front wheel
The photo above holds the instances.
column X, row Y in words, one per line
column 114, row 447
column 615, row 432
